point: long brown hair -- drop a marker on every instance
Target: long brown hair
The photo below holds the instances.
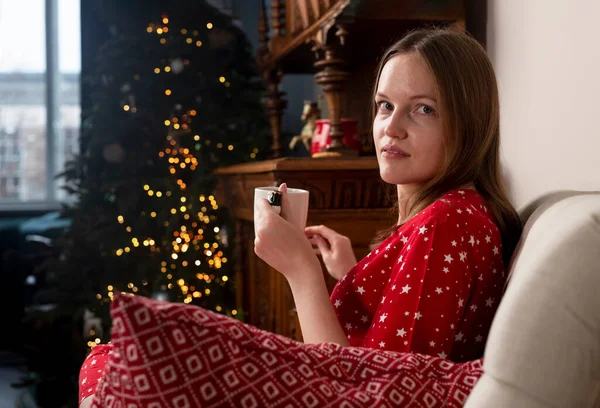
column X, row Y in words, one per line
column 468, row 99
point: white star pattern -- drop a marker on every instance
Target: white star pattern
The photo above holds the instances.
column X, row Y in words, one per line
column 416, row 295
column 495, row 250
column 479, row 339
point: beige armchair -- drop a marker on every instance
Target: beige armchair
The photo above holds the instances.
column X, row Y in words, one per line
column 544, row 346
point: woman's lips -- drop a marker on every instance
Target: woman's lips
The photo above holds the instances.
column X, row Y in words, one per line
column 390, row 151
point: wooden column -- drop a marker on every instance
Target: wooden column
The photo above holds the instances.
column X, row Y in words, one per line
column 263, row 29
column 277, row 16
column 240, row 260
column 275, row 105
column 332, row 77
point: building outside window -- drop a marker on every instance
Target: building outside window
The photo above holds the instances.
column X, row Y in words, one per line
column 40, row 65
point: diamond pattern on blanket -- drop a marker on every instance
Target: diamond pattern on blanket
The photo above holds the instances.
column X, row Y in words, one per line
column 176, row 355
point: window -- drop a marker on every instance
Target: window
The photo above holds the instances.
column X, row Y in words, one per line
column 40, row 65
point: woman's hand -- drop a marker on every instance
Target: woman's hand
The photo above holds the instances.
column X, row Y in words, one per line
column 280, row 243
column 335, row 249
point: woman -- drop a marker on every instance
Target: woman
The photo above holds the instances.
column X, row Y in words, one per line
column 432, row 283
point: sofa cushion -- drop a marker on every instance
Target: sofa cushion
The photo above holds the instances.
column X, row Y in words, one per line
column 544, row 345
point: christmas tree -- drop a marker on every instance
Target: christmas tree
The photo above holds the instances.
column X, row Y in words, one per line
column 173, row 98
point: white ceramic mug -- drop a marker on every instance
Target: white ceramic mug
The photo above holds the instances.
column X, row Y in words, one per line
column 298, row 202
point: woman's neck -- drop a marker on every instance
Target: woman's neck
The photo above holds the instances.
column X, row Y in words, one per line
column 405, row 192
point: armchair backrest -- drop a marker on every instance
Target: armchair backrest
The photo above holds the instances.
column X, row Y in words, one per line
column 544, row 345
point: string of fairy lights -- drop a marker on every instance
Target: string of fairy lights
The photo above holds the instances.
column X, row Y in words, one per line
column 179, row 158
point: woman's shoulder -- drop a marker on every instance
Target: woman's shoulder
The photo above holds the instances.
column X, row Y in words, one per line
column 460, row 206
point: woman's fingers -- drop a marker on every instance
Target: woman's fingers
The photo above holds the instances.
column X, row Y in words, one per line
column 321, row 243
column 322, row 230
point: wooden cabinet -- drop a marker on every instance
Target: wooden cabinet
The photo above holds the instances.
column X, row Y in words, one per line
column 340, row 42
column 346, row 194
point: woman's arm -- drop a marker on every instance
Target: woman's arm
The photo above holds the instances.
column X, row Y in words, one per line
column 318, row 320
column 285, row 247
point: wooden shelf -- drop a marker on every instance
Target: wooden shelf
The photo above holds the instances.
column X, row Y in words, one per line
column 302, row 164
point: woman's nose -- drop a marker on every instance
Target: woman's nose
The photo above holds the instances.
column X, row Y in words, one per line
column 395, row 128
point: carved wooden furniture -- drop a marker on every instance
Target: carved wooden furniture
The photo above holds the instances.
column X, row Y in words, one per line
column 339, row 41
column 345, row 194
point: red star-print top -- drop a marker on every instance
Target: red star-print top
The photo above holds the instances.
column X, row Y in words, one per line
column 92, row 368
column 432, row 287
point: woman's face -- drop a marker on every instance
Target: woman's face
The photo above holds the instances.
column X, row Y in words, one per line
column 407, row 128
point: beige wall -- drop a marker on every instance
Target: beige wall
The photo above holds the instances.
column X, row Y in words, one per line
column 547, row 59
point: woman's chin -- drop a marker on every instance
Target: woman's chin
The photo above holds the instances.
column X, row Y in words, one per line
column 392, row 177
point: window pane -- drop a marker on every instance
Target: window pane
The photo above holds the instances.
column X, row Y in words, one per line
column 22, row 101
column 69, row 51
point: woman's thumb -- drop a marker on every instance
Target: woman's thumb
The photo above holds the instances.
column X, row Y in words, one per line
column 286, row 206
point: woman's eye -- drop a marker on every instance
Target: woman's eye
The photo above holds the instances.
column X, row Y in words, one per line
column 425, row 110
column 385, row 106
